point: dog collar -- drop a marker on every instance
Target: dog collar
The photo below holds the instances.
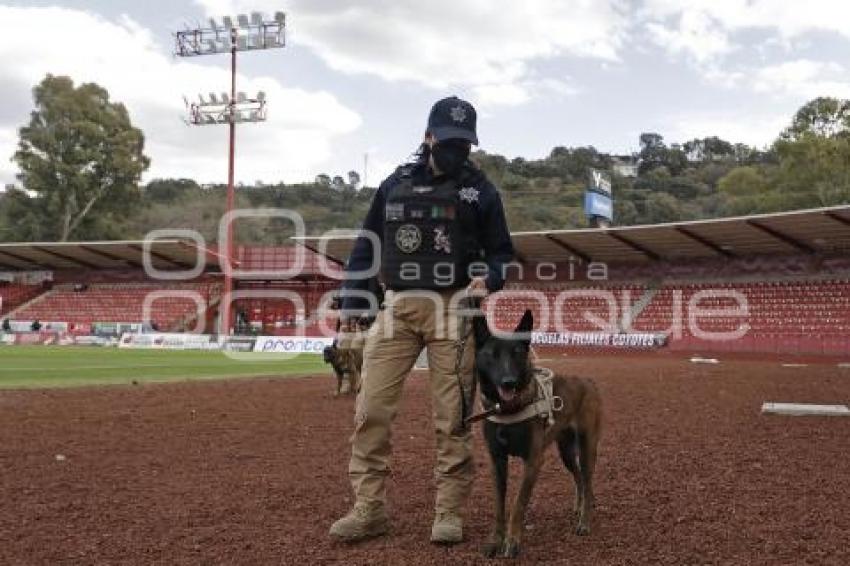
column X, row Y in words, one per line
column 544, row 405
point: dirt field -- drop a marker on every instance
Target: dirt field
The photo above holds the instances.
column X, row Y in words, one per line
column 253, row 472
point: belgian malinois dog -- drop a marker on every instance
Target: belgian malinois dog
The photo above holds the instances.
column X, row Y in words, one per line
column 508, row 386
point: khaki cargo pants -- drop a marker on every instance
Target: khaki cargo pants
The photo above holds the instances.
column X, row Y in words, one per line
column 409, row 322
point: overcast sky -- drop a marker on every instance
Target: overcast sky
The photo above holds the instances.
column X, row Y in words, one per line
column 360, row 77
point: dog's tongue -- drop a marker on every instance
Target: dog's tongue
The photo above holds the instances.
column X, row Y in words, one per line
column 507, row 394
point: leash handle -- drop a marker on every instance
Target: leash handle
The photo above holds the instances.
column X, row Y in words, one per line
column 483, row 414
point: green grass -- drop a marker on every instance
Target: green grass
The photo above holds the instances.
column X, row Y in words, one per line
column 68, row 366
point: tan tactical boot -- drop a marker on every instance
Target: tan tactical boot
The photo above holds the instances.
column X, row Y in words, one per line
column 447, row 528
column 362, row 522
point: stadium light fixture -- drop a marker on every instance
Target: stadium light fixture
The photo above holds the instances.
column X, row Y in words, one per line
column 249, row 34
column 221, row 110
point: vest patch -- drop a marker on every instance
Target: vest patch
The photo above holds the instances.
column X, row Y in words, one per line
column 394, row 211
column 468, row 194
column 408, row 238
column 442, row 243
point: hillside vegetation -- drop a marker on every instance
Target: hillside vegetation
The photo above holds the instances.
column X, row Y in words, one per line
column 81, row 160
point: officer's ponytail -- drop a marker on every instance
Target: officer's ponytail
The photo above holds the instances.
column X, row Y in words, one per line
column 422, row 154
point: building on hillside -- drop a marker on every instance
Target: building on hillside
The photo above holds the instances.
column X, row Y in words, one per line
column 625, row 165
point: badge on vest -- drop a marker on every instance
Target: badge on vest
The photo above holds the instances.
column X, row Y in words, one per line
column 422, row 189
column 442, row 212
column 408, row 238
column 441, row 240
column 468, row 194
column 394, row 211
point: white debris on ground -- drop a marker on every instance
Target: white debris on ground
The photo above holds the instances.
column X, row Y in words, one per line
column 804, row 409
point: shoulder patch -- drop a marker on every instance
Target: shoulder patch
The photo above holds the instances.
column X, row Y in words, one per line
column 468, row 194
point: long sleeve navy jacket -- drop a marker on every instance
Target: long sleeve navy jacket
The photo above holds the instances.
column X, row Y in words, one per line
column 494, row 236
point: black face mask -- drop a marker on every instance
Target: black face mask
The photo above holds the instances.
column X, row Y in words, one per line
column 450, row 155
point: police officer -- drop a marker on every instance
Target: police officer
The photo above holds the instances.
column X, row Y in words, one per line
column 442, row 230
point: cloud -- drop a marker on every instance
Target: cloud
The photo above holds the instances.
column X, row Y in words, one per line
column 123, row 57
column 707, row 32
column 696, row 35
column 755, row 129
column 788, row 18
column 487, row 47
column 515, row 94
column 803, row 78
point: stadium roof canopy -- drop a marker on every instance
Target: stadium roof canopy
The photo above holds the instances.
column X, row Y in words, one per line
column 162, row 254
column 820, row 230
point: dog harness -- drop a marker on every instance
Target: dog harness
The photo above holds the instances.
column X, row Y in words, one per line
column 544, row 405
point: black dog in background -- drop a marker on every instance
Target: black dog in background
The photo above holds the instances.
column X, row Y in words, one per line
column 509, row 387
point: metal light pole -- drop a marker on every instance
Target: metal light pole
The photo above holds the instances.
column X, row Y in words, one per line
column 246, row 35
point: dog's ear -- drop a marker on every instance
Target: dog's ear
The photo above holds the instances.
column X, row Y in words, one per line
column 480, row 329
column 524, row 328
column 526, row 323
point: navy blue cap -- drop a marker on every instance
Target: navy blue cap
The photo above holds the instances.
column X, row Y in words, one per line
column 453, row 118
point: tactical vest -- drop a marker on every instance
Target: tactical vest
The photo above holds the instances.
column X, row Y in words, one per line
column 430, row 234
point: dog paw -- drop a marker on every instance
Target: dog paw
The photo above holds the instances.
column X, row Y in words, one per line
column 491, row 549
column 582, row 530
column 511, row 549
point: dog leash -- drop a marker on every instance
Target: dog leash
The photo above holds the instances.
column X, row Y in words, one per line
column 494, row 410
column 464, row 332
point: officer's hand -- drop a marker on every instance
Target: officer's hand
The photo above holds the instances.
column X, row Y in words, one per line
column 477, row 287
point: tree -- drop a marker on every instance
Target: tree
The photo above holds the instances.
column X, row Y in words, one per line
column 746, row 190
column 716, row 148
column 814, row 170
column 353, row 179
column 653, row 152
column 20, row 221
column 338, row 183
column 81, row 159
column 651, row 140
column 662, row 207
column 169, row 190
column 710, row 149
column 675, row 160
column 743, row 182
column 323, row 179
column 625, row 212
column 823, row 116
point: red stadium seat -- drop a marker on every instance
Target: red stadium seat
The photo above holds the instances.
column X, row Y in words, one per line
column 122, row 303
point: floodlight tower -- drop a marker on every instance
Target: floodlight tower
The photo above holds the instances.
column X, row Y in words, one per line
column 247, row 34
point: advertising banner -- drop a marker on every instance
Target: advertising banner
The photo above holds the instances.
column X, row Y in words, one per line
column 167, row 341
column 292, row 344
column 596, row 204
column 599, row 339
column 239, row 344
